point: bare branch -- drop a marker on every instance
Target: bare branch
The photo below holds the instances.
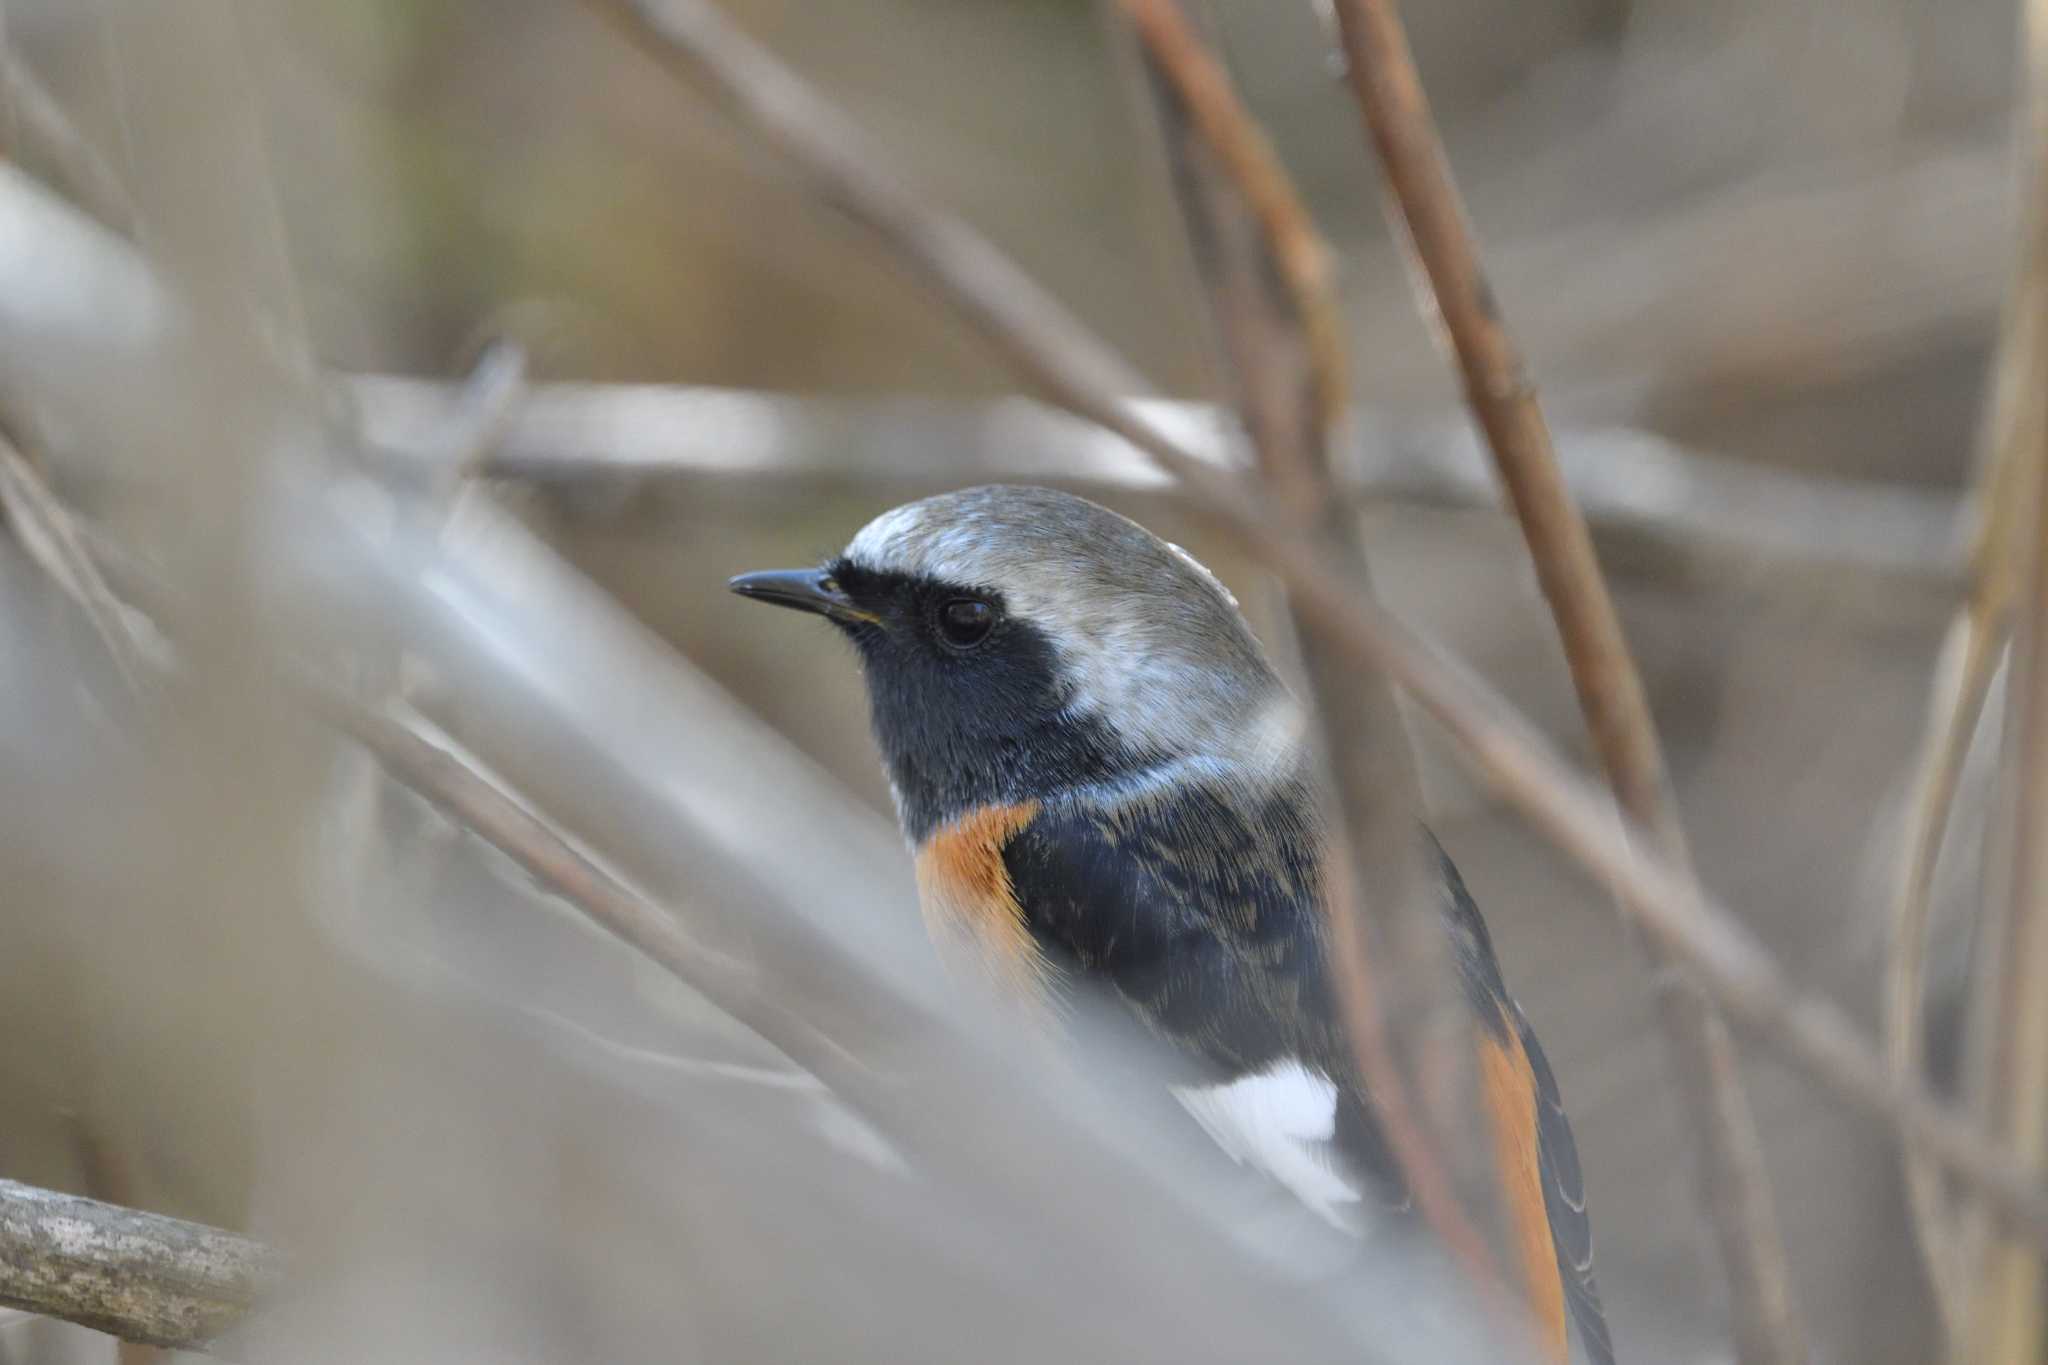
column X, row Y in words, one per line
column 53, row 539
column 1265, row 272
column 485, row 408
column 1963, row 675
column 1059, row 355
column 481, row 804
column 2014, row 1323
column 1734, row 1188
column 1699, row 508
column 110, row 1178
column 47, row 133
column 2007, row 1320
column 138, row 1276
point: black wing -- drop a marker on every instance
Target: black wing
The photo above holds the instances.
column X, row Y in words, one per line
column 1199, row 907
column 1199, row 911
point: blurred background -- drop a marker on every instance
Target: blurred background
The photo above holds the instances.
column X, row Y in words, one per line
column 1755, row 250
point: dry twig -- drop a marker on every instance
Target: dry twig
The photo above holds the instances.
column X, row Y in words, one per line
column 53, row 539
column 1265, row 272
column 2005, row 1322
column 1963, row 675
column 111, row 1180
column 137, row 1276
column 1073, row 368
column 1734, row 1188
column 484, row 411
column 2011, row 1317
column 484, row 806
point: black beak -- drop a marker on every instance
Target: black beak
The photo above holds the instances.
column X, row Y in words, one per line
column 813, row 590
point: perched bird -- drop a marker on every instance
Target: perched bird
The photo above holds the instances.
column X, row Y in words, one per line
column 1105, row 782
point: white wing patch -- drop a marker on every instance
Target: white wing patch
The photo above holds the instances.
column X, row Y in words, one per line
column 1280, row 1121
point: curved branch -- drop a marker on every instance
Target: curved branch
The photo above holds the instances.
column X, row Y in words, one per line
column 1969, row 660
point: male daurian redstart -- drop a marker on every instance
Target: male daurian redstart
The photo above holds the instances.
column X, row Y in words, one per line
column 1104, row 782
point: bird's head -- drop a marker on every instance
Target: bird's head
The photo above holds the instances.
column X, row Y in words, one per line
column 1024, row 644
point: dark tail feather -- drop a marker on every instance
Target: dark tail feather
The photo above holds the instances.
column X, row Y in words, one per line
column 1564, row 1196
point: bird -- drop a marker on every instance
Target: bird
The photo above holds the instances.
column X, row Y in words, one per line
column 1106, row 784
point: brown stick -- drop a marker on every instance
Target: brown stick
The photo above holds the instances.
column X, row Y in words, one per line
column 1265, row 272
column 1073, row 368
column 1734, row 1189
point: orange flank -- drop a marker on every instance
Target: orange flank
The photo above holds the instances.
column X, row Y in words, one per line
column 1510, row 1089
column 968, row 901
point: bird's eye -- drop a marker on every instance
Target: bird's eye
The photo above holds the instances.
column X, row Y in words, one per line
column 966, row 621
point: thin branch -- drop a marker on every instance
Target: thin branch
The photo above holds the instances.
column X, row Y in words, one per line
column 484, row 806
column 1074, row 369
column 137, row 1276
column 1265, row 271
column 1299, row 257
column 2006, row 1322
column 485, row 408
column 46, row 133
column 1734, row 1188
column 53, row 539
column 2010, row 459
column 1969, row 659
column 2012, row 1316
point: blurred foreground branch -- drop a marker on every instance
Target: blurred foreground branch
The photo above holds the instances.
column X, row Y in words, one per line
column 1068, row 364
column 1626, row 480
column 589, row 717
column 1733, row 1187
column 482, row 805
column 46, row 134
column 53, row 539
column 137, row 1276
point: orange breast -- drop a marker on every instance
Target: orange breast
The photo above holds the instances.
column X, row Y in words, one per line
column 970, row 907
